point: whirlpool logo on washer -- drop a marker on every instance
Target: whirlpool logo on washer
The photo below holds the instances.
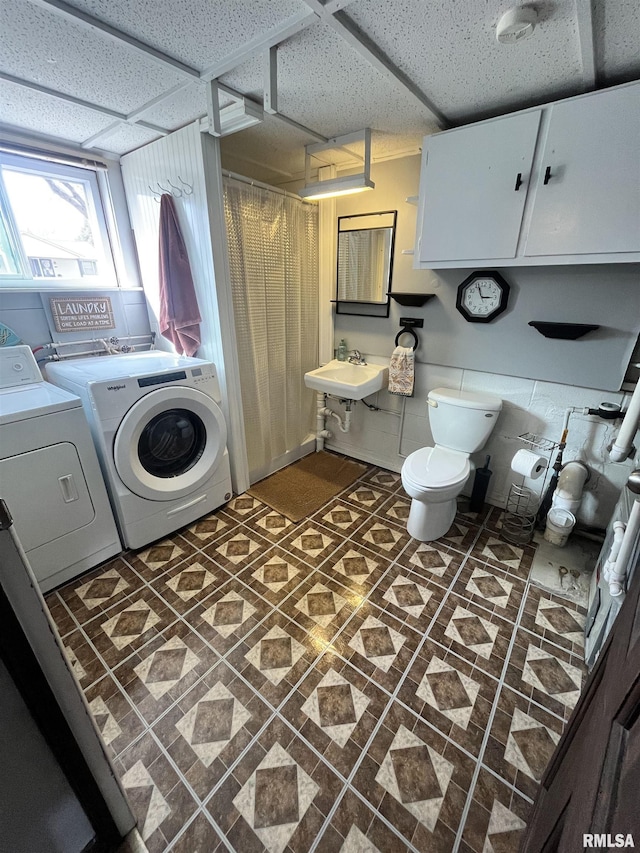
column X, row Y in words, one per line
column 115, row 387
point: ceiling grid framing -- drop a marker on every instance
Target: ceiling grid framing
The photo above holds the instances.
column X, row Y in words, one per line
column 256, row 46
column 584, row 17
column 347, row 29
column 408, row 80
column 95, row 24
column 266, row 42
column 121, row 118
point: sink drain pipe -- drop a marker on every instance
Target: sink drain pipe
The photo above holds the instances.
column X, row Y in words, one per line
column 322, row 412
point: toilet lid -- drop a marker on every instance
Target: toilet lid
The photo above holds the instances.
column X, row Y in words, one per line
column 437, row 467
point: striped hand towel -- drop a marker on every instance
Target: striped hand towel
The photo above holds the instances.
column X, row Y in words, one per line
column 401, row 372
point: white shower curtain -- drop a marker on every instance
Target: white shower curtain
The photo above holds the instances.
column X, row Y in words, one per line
column 273, row 259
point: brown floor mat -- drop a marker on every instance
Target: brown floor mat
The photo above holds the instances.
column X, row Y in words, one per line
column 302, row 488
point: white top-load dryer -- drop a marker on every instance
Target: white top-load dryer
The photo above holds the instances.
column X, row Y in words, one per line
column 160, row 434
column 50, row 478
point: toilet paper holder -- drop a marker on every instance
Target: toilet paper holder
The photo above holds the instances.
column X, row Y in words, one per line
column 519, row 518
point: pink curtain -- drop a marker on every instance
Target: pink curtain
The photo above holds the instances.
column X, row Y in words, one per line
column 179, row 313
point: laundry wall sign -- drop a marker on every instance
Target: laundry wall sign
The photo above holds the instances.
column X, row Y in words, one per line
column 90, row 313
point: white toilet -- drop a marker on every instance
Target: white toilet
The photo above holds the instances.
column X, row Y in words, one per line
column 461, row 422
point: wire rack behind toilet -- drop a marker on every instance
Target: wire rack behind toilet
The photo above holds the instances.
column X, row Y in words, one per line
column 519, row 517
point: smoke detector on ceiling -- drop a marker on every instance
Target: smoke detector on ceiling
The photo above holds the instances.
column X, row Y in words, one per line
column 516, row 25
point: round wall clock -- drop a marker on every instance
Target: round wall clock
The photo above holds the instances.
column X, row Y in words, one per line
column 482, row 296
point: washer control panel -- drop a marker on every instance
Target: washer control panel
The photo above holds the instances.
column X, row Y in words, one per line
column 18, row 367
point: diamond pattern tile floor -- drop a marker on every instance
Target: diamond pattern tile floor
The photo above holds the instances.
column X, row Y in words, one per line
column 331, row 685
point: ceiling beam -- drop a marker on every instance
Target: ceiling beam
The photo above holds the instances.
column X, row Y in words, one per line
column 101, row 134
column 301, row 127
column 70, row 99
column 584, row 17
column 259, row 43
column 333, row 6
column 136, row 114
column 347, row 28
column 270, row 77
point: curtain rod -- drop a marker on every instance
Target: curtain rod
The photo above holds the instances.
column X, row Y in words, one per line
column 243, row 179
column 51, row 156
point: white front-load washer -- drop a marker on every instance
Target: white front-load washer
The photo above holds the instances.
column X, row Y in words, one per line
column 160, row 434
column 50, row 478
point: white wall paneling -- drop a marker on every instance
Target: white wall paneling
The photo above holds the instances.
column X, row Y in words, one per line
column 226, row 346
column 29, row 315
column 183, row 154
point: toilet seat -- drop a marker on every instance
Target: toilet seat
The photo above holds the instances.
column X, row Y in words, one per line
column 436, row 467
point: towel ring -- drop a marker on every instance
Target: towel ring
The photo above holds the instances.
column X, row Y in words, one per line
column 407, row 331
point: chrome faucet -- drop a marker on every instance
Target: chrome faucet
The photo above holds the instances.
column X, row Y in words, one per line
column 356, row 357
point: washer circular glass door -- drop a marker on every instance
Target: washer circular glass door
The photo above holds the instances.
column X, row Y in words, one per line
column 169, row 443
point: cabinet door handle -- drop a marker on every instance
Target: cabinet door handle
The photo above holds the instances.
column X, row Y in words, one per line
column 547, row 175
column 518, row 181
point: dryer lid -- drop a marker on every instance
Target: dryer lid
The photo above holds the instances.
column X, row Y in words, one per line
column 32, row 401
column 437, row 467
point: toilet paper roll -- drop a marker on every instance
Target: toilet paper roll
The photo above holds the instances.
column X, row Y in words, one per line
column 529, row 464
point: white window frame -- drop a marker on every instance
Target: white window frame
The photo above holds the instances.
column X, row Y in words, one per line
column 89, row 177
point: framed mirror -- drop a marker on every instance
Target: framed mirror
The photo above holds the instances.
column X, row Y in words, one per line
column 365, row 263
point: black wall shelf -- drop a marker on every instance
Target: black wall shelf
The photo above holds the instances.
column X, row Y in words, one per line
column 411, row 300
column 563, row 331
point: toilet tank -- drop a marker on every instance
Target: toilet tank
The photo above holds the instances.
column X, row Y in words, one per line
column 462, row 420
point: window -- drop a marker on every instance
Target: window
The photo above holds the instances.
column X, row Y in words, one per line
column 52, row 225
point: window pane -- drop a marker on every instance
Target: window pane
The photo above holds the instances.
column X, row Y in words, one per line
column 9, row 264
column 57, row 224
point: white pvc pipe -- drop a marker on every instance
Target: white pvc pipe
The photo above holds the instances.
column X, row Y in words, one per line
column 320, row 430
column 618, row 535
column 568, row 493
column 342, row 426
column 624, row 440
column 618, row 571
column 401, row 428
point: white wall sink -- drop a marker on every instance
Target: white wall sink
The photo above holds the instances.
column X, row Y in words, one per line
column 349, row 381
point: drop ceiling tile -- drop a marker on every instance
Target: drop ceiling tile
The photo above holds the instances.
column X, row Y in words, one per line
column 247, row 78
column 48, row 49
column 43, row 114
column 181, row 108
column 449, row 50
column 198, row 32
column 616, row 27
column 126, row 138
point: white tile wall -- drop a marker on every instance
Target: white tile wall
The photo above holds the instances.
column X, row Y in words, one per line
column 529, row 406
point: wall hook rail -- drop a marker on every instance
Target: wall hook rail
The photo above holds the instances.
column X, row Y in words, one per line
column 174, row 190
column 187, row 188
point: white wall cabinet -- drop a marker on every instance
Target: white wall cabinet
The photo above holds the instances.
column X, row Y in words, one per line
column 556, row 185
column 591, row 200
column 475, row 189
